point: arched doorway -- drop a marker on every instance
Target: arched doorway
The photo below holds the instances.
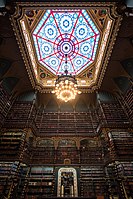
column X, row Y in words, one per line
column 67, row 182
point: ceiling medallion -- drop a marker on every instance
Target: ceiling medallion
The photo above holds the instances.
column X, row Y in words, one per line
column 66, row 85
column 86, row 32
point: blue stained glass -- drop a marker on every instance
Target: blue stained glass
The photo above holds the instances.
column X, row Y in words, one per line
column 53, row 62
column 69, row 67
column 86, row 48
column 62, row 32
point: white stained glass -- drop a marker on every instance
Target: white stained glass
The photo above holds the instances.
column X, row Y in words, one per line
column 66, row 32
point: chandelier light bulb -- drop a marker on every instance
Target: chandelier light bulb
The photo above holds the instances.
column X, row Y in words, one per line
column 66, row 81
column 66, row 88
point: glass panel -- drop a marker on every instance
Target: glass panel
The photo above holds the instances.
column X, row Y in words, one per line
column 62, row 32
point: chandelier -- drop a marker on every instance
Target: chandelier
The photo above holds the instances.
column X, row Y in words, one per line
column 66, row 86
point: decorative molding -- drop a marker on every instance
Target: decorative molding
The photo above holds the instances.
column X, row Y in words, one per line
column 28, row 52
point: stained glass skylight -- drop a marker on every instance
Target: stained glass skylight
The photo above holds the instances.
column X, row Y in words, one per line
column 66, row 32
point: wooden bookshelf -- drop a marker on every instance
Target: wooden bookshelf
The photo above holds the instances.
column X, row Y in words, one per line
column 123, row 143
column 92, row 181
column 42, row 155
column 67, row 123
column 10, row 145
column 40, row 182
column 128, row 103
column 21, row 115
column 71, row 153
column 5, row 105
column 9, row 173
column 13, row 146
column 113, row 113
column 91, row 155
column 128, row 174
column 91, row 151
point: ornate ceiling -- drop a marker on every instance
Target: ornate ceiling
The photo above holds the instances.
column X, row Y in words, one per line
column 86, row 32
column 66, row 32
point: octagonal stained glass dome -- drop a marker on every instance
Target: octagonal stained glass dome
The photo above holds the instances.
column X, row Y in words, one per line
column 66, row 32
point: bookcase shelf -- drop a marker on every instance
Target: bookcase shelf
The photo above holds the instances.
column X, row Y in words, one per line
column 40, row 182
column 43, row 155
column 21, row 115
column 128, row 103
column 92, row 181
column 67, row 153
column 5, row 104
column 113, row 113
column 9, row 145
column 9, row 172
column 123, row 144
column 13, row 146
column 74, row 122
column 38, row 179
